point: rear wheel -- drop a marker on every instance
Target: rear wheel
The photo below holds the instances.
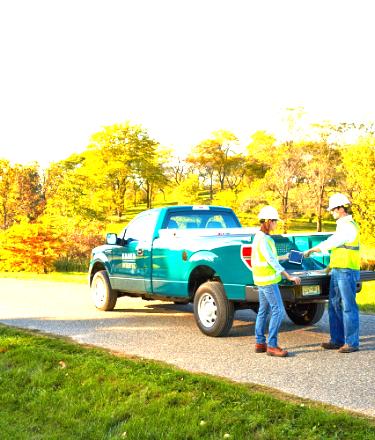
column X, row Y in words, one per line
column 103, row 295
column 305, row 314
column 212, row 310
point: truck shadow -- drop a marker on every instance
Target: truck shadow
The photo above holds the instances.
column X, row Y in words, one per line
column 244, row 323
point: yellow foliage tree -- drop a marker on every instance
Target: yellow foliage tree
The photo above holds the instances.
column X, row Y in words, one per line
column 359, row 167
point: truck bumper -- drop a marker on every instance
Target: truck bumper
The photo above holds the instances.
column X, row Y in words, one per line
column 291, row 294
column 304, row 293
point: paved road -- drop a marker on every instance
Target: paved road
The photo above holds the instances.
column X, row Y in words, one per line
column 168, row 333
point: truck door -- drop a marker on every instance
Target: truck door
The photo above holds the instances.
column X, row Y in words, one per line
column 131, row 262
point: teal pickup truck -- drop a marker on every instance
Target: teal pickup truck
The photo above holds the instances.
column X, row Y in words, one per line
column 201, row 254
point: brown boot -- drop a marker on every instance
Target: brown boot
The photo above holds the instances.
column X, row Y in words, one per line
column 260, row 348
column 276, row 351
column 330, row 345
column 348, row 349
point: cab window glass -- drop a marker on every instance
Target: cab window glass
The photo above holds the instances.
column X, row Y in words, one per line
column 191, row 220
column 142, row 227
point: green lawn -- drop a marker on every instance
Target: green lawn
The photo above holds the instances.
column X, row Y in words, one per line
column 54, row 389
column 366, row 298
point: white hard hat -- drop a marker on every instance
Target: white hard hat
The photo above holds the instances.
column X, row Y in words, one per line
column 268, row 213
column 337, row 200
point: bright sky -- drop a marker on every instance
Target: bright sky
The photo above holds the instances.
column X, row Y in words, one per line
column 181, row 68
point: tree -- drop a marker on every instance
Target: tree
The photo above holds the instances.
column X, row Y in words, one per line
column 30, row 247
column 20, row 193
column 7, row 194
column 213, row 158
column 72, row 188
column 284, row 174
column 359, row 171
column 128, row 156
column 321, row 163
column 261, row 153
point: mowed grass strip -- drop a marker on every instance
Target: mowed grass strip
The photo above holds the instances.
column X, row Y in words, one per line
column 54, row 389
column 366, row 297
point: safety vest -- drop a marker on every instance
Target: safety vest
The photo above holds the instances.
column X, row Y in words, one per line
column 347, row 255
column 263, row 273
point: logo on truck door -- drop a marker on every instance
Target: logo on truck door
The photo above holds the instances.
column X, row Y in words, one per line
column 246, row 250
column 128, row 260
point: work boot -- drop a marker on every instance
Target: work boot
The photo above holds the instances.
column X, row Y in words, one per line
column 276, row 351
column 348, row 349
column 260, row 348
column 330, row 345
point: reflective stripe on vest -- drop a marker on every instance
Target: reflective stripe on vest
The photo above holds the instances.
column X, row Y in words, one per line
column 263, row 273
column 347, row 256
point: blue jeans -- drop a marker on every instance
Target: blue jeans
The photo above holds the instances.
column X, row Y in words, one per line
column 269, row 301
column 343, row 309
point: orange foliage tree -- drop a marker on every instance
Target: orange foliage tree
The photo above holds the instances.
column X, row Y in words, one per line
column 30, row 247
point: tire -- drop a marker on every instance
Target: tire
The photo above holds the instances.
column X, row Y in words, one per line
column 212, row 311
column 305, row 314
column 103, row 296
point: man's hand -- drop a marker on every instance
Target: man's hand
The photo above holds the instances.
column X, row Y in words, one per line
column 283, row 257
column 296, row 280
column 307, row 253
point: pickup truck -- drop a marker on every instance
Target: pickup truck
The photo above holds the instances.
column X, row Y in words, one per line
column 201, row 254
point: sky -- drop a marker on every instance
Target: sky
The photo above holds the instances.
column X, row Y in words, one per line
column 180, row 68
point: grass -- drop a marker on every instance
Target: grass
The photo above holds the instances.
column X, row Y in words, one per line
column 366, row 297
column 54, row 389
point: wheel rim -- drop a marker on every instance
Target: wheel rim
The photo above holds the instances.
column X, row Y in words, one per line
column 207, row 310
column 99, row 292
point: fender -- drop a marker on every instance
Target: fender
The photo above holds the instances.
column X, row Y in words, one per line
column 99, row 261
column 204, row 257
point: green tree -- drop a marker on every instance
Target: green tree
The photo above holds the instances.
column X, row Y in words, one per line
column 321, row 162
column 213, row 158
column 7, row 194
column 359, row 170
column 284, row 175
column 21, row 193
column 70, row 189
column 127, row 155
column 261, row 153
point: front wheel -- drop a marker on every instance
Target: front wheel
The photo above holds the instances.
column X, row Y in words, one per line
column 305, row 314
column 103, row 295
column 212, row 310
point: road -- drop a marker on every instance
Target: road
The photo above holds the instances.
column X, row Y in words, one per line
column 167, row 332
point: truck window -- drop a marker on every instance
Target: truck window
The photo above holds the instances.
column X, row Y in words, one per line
column 142, row 227
column 194, row 219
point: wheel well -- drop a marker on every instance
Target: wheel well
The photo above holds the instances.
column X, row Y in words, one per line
column 96, row 268
column 198, row 276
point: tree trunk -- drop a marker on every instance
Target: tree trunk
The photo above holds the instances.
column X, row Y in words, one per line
column 319, row 211
column 211, row 188
column 148, row 198
column 285, row 211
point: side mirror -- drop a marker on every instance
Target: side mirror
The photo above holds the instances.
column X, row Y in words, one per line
column 111, row 238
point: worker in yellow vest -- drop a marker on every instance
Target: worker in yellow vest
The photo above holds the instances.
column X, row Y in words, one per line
column 267, row 272
column 345, row 269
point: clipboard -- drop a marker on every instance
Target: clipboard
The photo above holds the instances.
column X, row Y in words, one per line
column 295, row 257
